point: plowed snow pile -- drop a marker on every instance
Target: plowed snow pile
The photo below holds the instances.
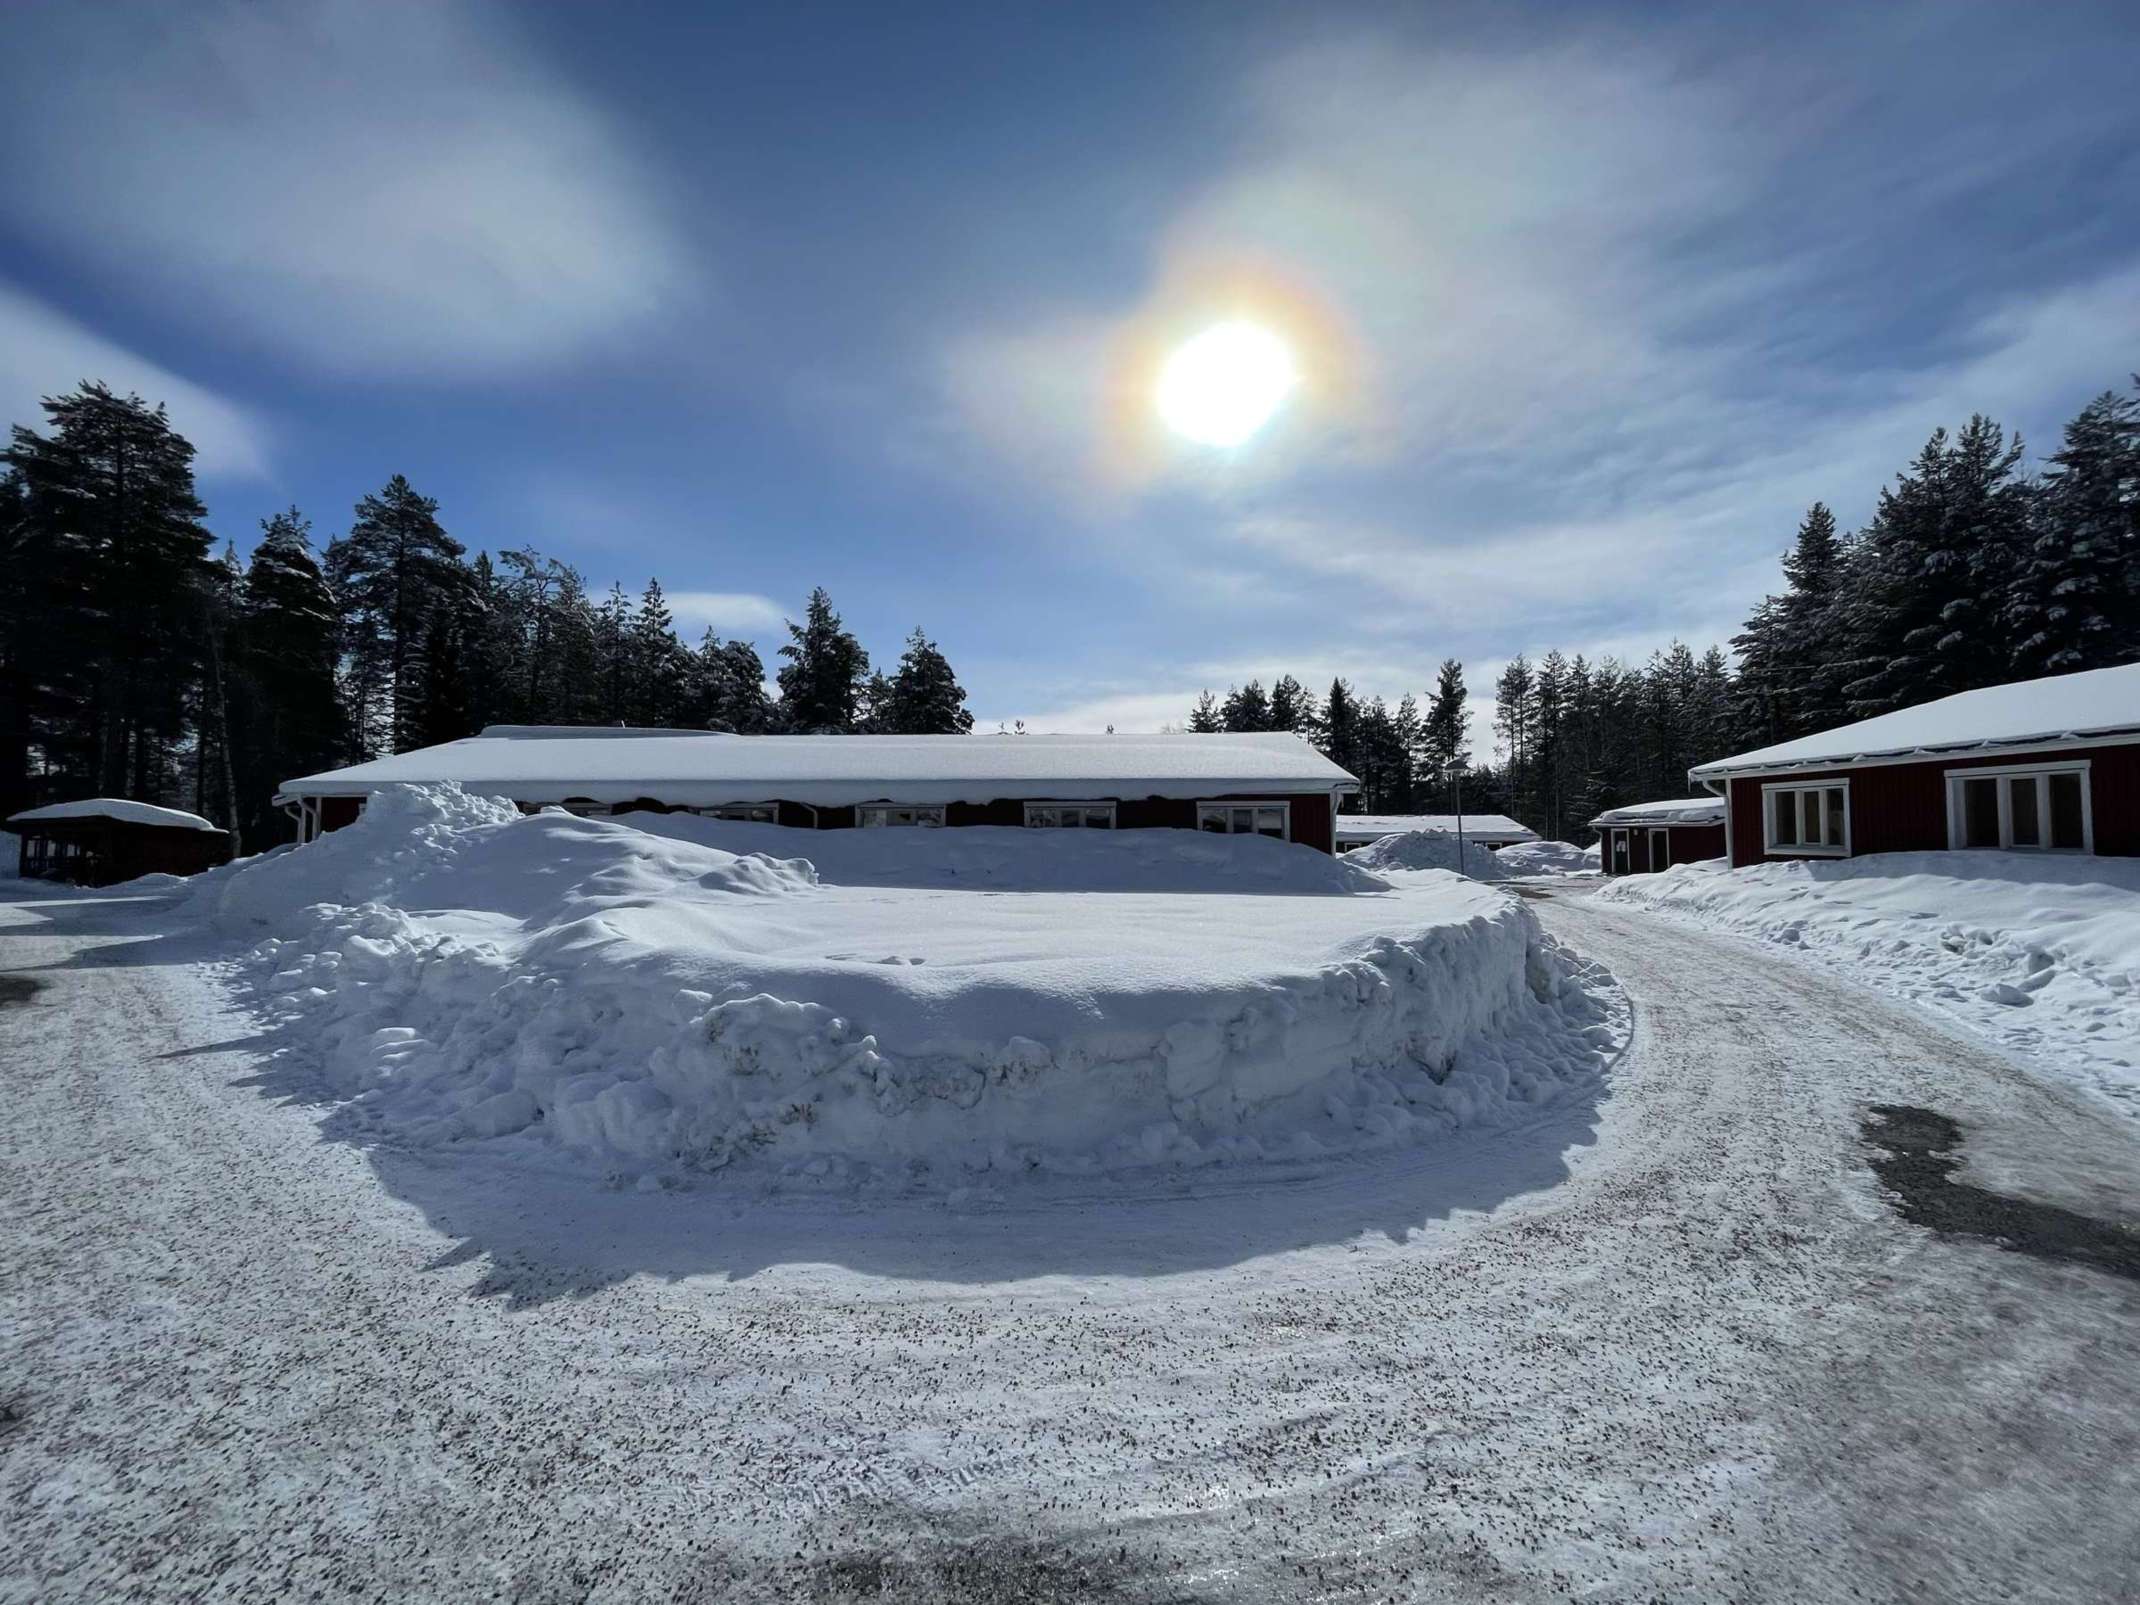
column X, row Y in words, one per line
column 2040, row 953
column 1547, row 858
column 651, row 1003
column 1430, row 849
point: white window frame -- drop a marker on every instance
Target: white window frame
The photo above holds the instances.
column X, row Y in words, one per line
column 1285, row 810
column 739, row 813
column 1802, row 848
column 2040, row 774
column 1056, row 805
column 927, row 816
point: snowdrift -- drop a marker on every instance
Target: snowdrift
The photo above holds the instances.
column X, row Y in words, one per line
column 1547, row 858
column 1430, row 849
column 2040, row 953
column 649, row 1005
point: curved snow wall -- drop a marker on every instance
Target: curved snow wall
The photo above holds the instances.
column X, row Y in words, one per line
column 655, row 1005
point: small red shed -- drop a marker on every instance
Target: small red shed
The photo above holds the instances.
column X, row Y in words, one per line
column 1646, row 837
column 2049, row 765
column 100, row 841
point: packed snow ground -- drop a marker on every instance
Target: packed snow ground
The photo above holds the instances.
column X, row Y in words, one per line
column 1666, row 1339
column 2040, row 953
column 661, row 997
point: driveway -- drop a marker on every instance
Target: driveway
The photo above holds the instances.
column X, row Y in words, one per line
column 1672, row 1340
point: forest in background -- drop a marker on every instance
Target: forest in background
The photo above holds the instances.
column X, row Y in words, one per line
column 135, row 662
column 1973, row 571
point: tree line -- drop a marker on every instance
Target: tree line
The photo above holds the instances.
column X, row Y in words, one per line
column 1972, row 572
column 135, row 663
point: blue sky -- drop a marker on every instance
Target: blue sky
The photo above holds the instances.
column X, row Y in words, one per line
column 1589, row 304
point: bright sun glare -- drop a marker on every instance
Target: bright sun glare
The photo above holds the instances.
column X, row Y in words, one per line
column 1224, row 385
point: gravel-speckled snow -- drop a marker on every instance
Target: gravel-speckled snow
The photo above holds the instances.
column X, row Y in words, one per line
column 2041, row 953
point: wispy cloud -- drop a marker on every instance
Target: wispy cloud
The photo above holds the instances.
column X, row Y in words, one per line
column 731, row 613
column 43, row 351
column 372, row 189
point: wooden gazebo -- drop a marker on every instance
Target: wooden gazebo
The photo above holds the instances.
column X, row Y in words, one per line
column 100, row 841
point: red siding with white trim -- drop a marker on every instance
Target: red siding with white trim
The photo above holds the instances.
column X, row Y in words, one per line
column 1902, row 807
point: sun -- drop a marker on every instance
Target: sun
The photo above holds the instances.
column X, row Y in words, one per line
column 1225, row 384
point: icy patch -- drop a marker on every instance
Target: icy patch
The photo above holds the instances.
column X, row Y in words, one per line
column 647, row 1006
column 2041, row 954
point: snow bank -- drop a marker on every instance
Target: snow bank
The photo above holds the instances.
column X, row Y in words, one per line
column 2042, row 954
column 650, row 1005
column 1548, row 858
column 1431, row 849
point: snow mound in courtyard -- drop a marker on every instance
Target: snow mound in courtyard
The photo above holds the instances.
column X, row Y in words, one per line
column 1547, row 858
column 648, row 1006
column 1430, row 849
column 2042, row 954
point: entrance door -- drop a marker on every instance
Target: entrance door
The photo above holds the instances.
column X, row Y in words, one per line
column 1619, row 851
column 1660, row 849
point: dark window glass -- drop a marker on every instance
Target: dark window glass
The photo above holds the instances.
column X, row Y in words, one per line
column 1784, row 805
column 2021, row 811
column 2066, row 829
column 1980, row 813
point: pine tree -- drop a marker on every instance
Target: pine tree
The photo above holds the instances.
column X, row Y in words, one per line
column 113, row 533
column 660, row 664
column 26, row 656
column 822, row 682
column 1204, row 718
column 288, row 716
column 1515, row 707
column 389, row 574
column 925, row 697
column 1927, row 582
column 1341, row 735
column 1292, row 706
column 1246, row 709
column 731, row 688
column 2074, row 600
column 614, row 649
column 1445, row 736
column 1407, row 730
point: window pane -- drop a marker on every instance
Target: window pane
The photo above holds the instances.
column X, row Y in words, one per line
column 2066, row 828
column 1212, row 819
column 1837, row 834
column 1980, row 813
column 2021, row 811
column 1783, row 828
column 1809, row 818
column 1244, row 821
column 1270, row 821
column 1099, row 819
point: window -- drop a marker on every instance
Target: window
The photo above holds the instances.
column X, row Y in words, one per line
column 1660, row 849
column 874, row 815
column 1246, row 819
column 1808, row 821
column 2046, row 810
column 744, row 813
column 1070, row 815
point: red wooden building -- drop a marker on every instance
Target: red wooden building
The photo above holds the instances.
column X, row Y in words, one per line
column 2050, row 765
column 100, row 841
column 1646, row 837
column 1263, row 784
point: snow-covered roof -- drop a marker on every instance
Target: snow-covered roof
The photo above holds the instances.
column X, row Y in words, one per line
column 120, row 808
column 2028, row 713
column 1676, row 811
column 701, row 769
column 1481, row 827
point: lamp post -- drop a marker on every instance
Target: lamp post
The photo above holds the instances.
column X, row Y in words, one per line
column 1453, row 772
